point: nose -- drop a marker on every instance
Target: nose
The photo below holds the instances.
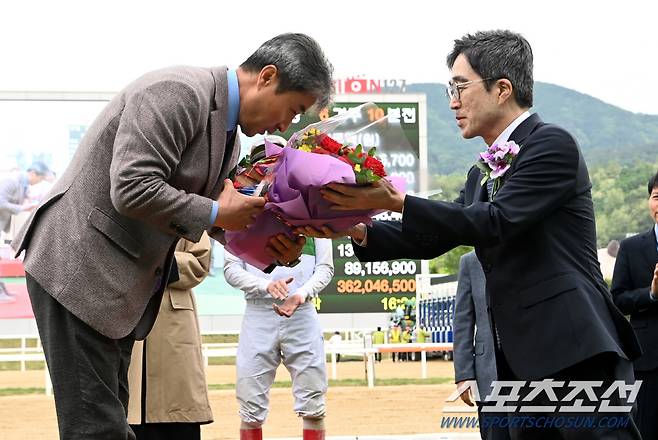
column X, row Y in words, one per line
column 455, row 103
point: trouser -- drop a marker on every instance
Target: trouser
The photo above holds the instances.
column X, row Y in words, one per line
column 89, row 371
column 491, row 432
column 167, row 431
column 647, row 404
column 603, row 367
column 266, row 340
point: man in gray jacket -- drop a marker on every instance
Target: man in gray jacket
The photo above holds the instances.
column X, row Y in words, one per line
column 474, row 355
column 13, row 200
column 151, row 168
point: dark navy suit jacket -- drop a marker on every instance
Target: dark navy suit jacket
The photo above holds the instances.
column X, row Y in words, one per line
column 537, row 245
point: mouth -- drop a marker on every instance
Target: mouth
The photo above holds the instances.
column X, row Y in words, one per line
column 460, row 120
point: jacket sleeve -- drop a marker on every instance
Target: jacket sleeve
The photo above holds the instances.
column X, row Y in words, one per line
column 544, row 177
column 626, row 296
column 236, row 274
column 156, row 126
column 323, row 271
column 388, row 241
column 464, row 326
column 193, row 263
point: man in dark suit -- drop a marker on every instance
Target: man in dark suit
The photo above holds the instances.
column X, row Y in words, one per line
column 533, row 232
column 151, row 168
column 635, row 292
column 474, row 348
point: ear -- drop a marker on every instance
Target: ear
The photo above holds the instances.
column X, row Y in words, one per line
column 267, row 76
column 505, row 90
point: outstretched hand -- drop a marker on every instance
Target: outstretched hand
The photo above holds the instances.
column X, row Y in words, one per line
column 378, row 195
column 357, row 232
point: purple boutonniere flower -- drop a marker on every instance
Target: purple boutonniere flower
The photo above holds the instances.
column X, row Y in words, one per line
column 495, row 161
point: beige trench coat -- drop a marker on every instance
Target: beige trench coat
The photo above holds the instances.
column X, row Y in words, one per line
column 176, row 389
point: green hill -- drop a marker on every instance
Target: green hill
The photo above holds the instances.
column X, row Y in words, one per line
column 605, row 133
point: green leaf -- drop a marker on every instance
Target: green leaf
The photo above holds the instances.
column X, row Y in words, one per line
column 359, row 149
column 483, row 167
column 372, row 151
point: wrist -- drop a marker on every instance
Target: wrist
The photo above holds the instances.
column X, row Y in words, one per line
column 358, row 232
column 398, row 203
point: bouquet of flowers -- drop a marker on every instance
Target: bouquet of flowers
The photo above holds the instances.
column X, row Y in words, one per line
column 291, row 177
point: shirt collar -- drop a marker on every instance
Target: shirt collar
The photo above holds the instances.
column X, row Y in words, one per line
column 655, row 230
column 233, row 100
column 504, row 136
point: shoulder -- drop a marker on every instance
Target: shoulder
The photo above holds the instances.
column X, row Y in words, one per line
column 470, row 258
column 177, row 84
column 557, row 136
column 635, row 241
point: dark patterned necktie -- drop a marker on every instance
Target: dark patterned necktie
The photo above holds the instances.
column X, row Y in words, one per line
column 490, row 184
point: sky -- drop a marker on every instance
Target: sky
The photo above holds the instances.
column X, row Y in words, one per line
column 605, row 49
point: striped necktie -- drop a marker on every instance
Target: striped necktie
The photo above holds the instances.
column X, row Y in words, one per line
column 490, row 183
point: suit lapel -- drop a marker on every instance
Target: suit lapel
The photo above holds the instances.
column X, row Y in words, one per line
column 218, row 147
column 650, row 251
column 519, row 135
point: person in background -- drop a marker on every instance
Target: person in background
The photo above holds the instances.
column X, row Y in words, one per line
column 635, row 292
column 336, row 339
column 280, row 325
column 396, row 335
column 378, row 337
column 473, row 348
column 167, row 377
column 39, row 191
column 14, row 189
column 405, row 339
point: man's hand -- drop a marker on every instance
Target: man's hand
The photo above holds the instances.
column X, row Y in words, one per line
column 279, row 288
column 654, row 283
column 284, row 249
column 378, row 195
column 236, row 211
column 289, row 305
column 357, row 232
column 466, row 394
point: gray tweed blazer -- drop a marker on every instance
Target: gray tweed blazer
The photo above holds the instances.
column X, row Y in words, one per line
column 144, row 175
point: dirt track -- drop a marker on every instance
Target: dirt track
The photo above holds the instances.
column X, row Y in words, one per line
column 410, row 409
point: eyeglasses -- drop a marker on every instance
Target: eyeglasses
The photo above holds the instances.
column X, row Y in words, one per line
column 453, row 89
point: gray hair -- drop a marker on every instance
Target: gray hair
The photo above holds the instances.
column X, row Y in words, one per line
column 496, row 55
column 301, row 65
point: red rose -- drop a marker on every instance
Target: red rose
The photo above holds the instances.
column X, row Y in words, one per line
column 330, row 144
column 320, row 150
column 375, row 165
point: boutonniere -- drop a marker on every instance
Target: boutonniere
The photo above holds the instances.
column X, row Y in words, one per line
column 494, row 163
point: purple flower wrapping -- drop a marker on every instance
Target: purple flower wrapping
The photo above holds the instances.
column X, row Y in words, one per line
column 295, row 200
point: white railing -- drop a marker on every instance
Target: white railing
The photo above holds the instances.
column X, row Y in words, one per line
column 355, row 347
